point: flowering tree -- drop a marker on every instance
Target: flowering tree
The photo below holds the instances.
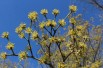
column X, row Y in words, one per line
column 62, row 45
column 10, row 64
column 97, row 3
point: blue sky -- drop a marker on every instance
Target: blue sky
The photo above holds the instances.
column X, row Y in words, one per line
column 13, row 12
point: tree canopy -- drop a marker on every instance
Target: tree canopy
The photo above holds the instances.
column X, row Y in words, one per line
column 70, row 42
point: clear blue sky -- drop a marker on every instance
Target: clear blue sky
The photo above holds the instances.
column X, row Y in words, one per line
column 13, row 12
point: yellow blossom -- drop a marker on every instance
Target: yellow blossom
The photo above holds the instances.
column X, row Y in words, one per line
column 42, row 25
column 42, row 59
column 21, row 35
column 34, row 35
column 79, row 27
column 52, row 39
column 82, row 45
column 72, row 21
column 73, row 8
column 62, row 22
column 18, row 30
column 28, row 30
column 61, row 65
column 33, row 15
column 10, row 46
column 48, row 23
column 60, row 39
column 5, row 34
column 85, row 36
column 23, row 26
column 74, row 65
column 55, row 12
column 79, row 33
column 69, row 44
column 71, row 32
column 53, row 23
column 43, row 43
column 22, row 55
column 3, row 55
column 44, row 11
column 77, row 52
column 96, row 64
column 45, row 36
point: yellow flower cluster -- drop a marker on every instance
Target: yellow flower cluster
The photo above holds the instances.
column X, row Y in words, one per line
column 73, row 8
column 96, row 64
column 86, row 37
column 77, row 52
column 71, row 32
column 55, row 12
column 52, row 39
column 79, row 27
column 82, row 45
column 21, row 35
column 22, row 55
column 44, row 11
column 42, row 61
column 74, row 65
column 45, row 36
column 33, row 15
column 43, row 43
column 80, row 30
column 48, row 23
column 57, row 39
column 60, row 39
column 10, row 46
column 34, row 35
column 72, row 21
column 51, row 23
column 79, row 33
column 20, row 28
column 62, row 22
column 3, row 55
column 61, row 65
column 44, row 58
column 28, row 30
column 68, row 44
column 22, row 25
column 5, row 34
column 42, row 25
